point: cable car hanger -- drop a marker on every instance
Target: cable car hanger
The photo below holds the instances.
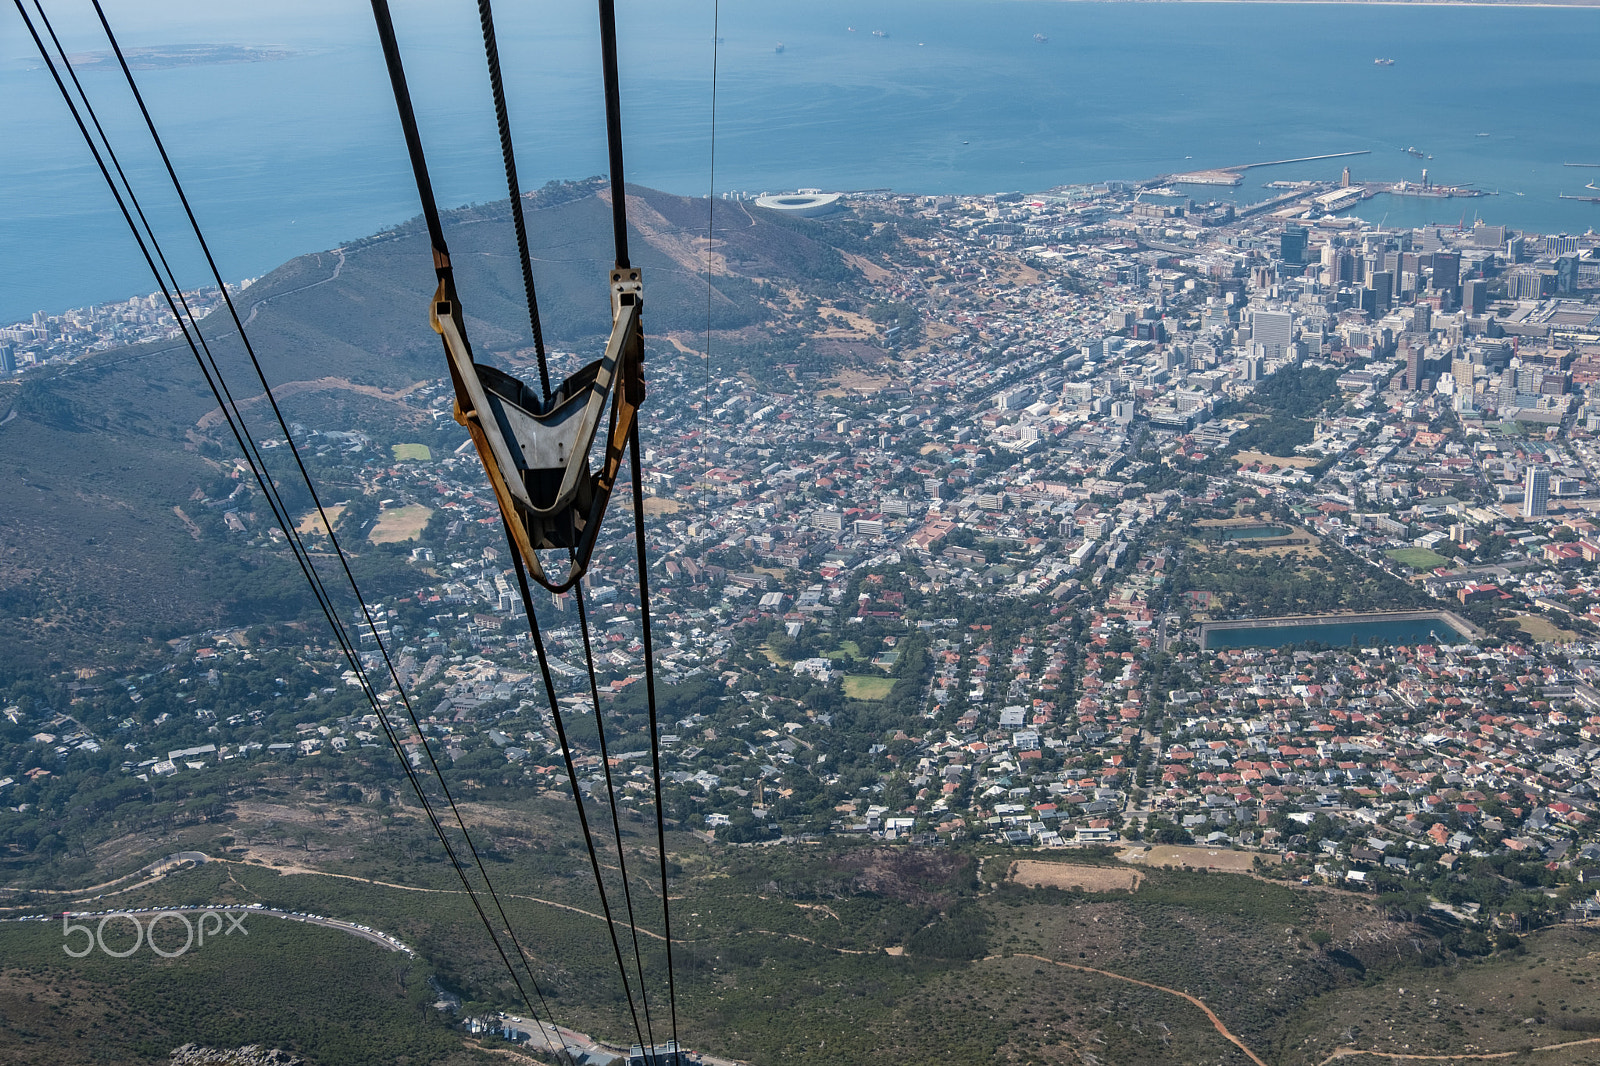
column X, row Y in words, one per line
column 535, row 449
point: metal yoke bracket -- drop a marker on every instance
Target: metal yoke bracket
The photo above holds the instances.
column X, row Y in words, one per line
column 535, row 453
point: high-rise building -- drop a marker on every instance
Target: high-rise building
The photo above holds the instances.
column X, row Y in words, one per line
column 1485, row 236
column 8, row 359
column 1338, row 266
column 1414, row 359
column 1330, row 265
column 1292, row 245
column 1382, row 285
column 1475, row 296
column 1446, row 270
column 1527, row 284
column 1536, row 492
column 1566, row 274
column 1273, row 331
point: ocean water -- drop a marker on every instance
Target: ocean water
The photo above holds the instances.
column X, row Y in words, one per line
column 296, row 155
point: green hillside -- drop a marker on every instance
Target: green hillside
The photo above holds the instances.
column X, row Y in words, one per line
column 101, row 456
column 830, row 953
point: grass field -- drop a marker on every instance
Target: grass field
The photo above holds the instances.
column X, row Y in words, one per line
column 1417, row 558
column 401, row 523
column 867, row 688
column 411, row 451
column 312, row 522
column 1542, row 628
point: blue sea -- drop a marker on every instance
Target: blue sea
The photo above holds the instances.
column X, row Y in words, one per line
column 299, row 154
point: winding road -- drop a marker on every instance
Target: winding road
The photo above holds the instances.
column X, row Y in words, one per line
column 338, row 268
column 1216, row 1023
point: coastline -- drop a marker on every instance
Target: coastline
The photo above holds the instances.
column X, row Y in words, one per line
column 297, row 188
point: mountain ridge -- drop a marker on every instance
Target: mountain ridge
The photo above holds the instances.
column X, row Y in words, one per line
column 100, row 456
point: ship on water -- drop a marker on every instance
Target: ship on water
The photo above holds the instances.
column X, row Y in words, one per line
column 1384, row 62
column 1041, row 38
column 779, row 48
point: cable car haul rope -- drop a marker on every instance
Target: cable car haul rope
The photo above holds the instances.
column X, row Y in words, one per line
column 535, row 449
column 535, row 446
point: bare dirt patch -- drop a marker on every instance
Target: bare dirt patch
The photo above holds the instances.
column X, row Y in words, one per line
column 188, row 523
column 661, row 505
column 1192, row 858
column 1542, row 628
column 312, row 521
column 859, row 326
column 686, row 249
column 1300, row 462
column 871, row 270
column 1019, row 274
column 1033, row 873
column 847, row 381
column 678, row 341
column 400, row 523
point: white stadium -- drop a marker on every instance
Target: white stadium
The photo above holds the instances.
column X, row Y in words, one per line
column 807, row 203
